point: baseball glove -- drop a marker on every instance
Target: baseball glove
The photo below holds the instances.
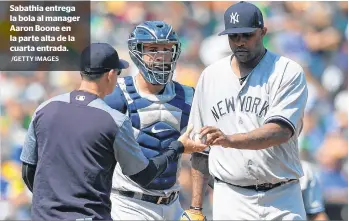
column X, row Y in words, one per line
column 190, row 215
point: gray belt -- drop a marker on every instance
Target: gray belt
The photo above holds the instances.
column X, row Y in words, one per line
column 259, row 187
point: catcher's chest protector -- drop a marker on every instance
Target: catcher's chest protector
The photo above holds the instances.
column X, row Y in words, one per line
column 157, row 123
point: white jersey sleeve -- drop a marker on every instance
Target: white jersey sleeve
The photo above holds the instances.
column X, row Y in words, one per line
column 311, row 190
column 288, row 97
column 196, row 115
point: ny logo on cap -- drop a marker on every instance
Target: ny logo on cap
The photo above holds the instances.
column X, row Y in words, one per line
column 234, row 17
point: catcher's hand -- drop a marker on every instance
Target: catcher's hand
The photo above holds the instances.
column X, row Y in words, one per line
column 191, row 215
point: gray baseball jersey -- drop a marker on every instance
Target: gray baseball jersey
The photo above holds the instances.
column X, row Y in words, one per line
column 275, row 89
column 311, row 190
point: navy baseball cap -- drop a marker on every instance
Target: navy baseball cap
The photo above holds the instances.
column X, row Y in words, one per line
column 100, row 58
column 242, row 17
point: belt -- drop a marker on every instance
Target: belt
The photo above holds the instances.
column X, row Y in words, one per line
column 259, row 187
column 150, row 198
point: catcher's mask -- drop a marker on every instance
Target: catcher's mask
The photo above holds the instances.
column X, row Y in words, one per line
column 154, row 32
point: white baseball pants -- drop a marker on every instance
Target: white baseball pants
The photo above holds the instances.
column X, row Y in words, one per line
column 126, row 208
column 280, row 203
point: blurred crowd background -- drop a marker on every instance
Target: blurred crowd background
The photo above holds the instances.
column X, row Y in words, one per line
column 315, row 34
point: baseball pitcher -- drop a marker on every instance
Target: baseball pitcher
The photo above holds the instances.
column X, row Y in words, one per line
column 249, row 107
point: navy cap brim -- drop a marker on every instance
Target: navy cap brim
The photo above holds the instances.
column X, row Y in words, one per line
column 123, row 64
column 237, row 31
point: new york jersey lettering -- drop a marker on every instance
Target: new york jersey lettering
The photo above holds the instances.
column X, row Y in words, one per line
column 247, row 104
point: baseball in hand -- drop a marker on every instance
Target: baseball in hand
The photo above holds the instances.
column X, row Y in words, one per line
column 196, row 138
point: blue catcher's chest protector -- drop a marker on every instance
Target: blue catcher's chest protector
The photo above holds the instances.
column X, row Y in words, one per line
column 157, row 123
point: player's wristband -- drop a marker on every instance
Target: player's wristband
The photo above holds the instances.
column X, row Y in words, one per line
column 177, row 146
column 196, row 208
column 174, row 150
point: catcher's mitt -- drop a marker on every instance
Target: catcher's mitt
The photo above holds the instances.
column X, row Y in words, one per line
column 190, row 215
